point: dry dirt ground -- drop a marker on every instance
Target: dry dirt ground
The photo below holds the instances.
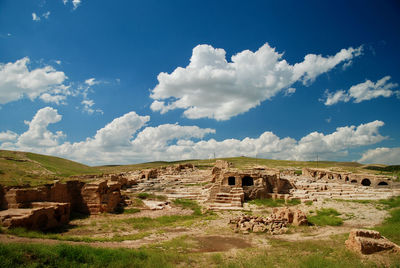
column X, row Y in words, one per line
column 205, row 233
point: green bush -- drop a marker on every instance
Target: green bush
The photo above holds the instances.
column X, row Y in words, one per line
column 308, row 202
column 326, row 216
column 143, row 195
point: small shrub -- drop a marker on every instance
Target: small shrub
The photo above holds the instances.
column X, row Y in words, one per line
column 326, row 216
column 143, row 195
column 137, row 202
column 298, row 172
column 308, row 202
column 293, row 202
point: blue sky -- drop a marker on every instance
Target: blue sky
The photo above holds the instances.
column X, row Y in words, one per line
column 117, row 82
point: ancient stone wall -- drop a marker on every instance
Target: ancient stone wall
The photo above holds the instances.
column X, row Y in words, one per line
column 257, row 183
column 90, row 198
column 348, row 177
column 41, row 216
column 2, row 201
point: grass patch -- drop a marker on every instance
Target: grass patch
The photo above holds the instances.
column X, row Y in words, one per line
column 269, row 202
column 298, row 172
column 320, row 253
column 326, row 216
column 391, row 226
column 152, row 196
column 293, row 202
column 393, row 202
column 137, row 202
column 35, row 255
column 131, row 210
column 22, row 232
column 188, row 204
column 308, row 203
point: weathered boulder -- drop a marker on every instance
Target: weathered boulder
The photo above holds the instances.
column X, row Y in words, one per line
column 295, row 217
column 42, row 215
column 368, row 242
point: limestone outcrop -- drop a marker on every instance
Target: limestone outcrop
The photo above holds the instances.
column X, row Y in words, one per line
column 41, row 216
column 368, row 242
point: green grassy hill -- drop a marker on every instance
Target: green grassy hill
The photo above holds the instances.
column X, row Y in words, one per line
column 19, row 168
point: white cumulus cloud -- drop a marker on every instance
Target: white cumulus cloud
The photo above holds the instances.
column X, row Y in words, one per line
column 383, row 155
column 8, row 136
column 17, row 80
column 367, row 90
column 35, row 17
column 37, row 134
column 212, row 87
column 127, row 139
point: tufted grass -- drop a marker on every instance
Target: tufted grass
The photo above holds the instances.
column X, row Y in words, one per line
column 326, row 216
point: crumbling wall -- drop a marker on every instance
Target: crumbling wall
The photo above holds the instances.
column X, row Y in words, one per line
column 2, row 200
column 41, row 216
column 148, row 174
column 90, row 198
column 101, row 197
column 348, row 177
column 254, row 183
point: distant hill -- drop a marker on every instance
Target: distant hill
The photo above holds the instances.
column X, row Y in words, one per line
column 19, row 168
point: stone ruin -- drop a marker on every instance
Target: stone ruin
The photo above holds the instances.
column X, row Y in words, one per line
column 50, row 205
column 41, row 216
column 274, row 224
column 231, row 187
column 348, row 177
column 368, row 242
column 319, row 184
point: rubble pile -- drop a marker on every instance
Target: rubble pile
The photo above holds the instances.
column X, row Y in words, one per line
column 274, row 224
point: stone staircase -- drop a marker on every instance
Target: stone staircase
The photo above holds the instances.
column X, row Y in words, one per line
column 187, row 185
column 307, row 190
column 229, row 201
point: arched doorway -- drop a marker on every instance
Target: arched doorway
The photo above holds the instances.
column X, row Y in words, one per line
column 366, row 182
column 247, row 181
column 383, row 183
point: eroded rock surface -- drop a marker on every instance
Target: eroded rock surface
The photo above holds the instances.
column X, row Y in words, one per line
column 368, row 242
column 41, row 216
